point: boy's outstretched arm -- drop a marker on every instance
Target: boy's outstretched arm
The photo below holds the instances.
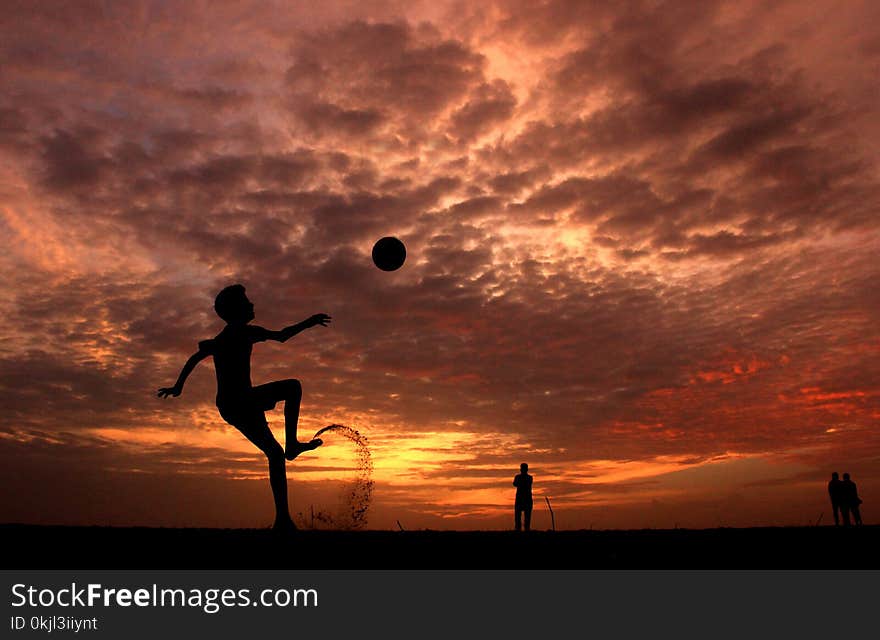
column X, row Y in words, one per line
column 175, row 391
column 288, row 332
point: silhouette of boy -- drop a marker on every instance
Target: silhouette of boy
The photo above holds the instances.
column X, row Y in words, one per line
column 243, row 405
column 834, row 490
column 523, row 504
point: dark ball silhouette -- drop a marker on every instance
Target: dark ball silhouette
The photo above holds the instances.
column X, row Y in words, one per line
column 389, row 254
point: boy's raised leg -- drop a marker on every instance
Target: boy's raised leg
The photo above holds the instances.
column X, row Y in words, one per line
column 292, row 399
column 290, row 393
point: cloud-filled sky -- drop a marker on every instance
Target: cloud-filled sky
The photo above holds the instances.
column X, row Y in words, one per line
column 642, row 256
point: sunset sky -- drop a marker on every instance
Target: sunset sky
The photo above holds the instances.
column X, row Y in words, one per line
column 642, row 256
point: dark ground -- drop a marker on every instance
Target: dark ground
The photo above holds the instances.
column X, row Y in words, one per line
column 36, row 547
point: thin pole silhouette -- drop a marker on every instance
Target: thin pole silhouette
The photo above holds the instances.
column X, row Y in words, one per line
column 552, row 517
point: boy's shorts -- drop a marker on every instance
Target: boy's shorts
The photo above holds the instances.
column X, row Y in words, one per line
column 247, row 409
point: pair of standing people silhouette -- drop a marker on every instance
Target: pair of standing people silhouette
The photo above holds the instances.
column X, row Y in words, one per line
column 845, row 500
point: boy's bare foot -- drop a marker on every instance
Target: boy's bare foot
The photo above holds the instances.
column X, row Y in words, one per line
column 296, row 448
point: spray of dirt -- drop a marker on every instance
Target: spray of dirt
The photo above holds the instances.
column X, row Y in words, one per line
column 357, row 500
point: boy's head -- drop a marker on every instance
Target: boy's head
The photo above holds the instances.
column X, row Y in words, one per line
column 524, row 467
column 233, row 305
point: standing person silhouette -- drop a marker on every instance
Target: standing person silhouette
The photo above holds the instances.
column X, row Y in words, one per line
column 523, row 504
column 851, row 501
column 243, row 405
column 834, row 492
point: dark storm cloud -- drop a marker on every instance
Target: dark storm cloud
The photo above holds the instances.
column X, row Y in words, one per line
column 490, row 105
column 362, row 214
column 743, row 137
column 72, row 161
column 618, row 198
column 513, row 183
column 345, row 79
column 13, row 128
column 216, row 98
column 726, row 243
column 324, row 117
